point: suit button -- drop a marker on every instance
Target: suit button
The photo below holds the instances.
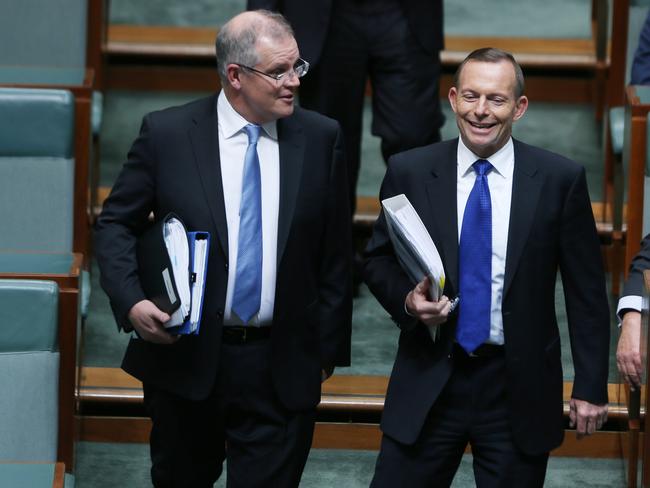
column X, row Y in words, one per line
column 225, row 266
column 219, row 313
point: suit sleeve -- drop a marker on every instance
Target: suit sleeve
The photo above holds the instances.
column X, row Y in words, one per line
column 123, row 217
column 640, row 263
column 335, row 283
column 583, row 278
column 382, row 272
column 641, row 64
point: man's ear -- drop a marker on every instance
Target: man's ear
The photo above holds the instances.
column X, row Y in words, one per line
column 233, row 73
column 453, row 93
column 521, row 106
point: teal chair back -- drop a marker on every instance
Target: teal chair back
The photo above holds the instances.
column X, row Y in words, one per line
column 36, row 169
column 43, row 33
column 29, row 362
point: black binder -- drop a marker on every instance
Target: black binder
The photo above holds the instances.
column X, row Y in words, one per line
column 157, row 276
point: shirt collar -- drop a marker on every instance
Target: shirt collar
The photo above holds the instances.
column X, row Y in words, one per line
column 231, row 122
column 503, row 160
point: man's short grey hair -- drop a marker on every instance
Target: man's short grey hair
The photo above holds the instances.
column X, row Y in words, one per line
column 237, row 45
column 494, row 55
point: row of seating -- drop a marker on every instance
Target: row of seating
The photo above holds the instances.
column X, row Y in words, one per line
column 50, row 73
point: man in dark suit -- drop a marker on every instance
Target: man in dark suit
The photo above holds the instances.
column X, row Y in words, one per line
column 395, row 43
column 268, row 182
column 628, row 352
column 505, row 216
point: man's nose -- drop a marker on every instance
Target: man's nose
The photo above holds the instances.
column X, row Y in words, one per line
column 481, row 107
column 292, row 79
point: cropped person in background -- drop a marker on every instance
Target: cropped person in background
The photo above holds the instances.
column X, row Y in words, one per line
column 394, row 43
column 505, row 217
column 628, row 352
column 268, row 182
column 641, row 62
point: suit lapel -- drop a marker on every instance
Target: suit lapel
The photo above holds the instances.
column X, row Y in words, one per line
column 205, row 143
column 291, row 142
column 442, row 220
column 526, row 190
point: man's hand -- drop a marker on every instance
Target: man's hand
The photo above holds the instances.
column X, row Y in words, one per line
column 586, row 417
column 147, row 319
column 426, row 311
column 628, row 352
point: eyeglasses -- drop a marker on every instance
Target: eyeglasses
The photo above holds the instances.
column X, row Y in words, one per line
column 299, row 70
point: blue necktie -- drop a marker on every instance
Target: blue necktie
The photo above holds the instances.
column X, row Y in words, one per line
column 475, row 264
column 248, row 278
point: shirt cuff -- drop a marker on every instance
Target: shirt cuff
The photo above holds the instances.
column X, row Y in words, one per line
column 633, row 302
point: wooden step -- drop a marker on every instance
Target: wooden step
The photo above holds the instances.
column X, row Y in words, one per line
column 340, row 394
column 345, row 435
column 197, row 43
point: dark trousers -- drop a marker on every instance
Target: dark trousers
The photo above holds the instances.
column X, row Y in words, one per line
column 241, row 421
column 472, row 409
column 366, row 41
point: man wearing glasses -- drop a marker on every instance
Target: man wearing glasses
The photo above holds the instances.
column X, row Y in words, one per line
column 268, row 182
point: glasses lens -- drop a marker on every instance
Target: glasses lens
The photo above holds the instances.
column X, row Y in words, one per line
column 301, row 68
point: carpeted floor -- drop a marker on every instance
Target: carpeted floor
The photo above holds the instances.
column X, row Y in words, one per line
column 109, row 465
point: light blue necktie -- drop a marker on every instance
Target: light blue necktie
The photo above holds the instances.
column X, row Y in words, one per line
column 248, row 278
column 475, row 264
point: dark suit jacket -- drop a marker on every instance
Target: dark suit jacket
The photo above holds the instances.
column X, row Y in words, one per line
column 174, row 166
column 310, row 21
column 551, row 227
column 641, row 261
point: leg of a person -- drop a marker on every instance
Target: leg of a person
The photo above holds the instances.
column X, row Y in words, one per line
column 187, row 441
column 267, row 445
column 405, row 83
column 433, row 460
column 497, row 461
column 336, row 87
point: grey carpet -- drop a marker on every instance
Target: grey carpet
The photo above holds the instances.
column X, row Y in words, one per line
column 103, row 465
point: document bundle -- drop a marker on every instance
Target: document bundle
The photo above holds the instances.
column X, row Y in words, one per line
column 172, row 266
column 413, row 245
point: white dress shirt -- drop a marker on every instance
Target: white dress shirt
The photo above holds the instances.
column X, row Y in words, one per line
column 500, row 183
column 233, row 142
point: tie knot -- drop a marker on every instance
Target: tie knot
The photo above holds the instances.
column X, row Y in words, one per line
column 482, row 167
column 253, row 132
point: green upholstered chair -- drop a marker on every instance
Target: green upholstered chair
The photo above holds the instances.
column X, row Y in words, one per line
column 29, row 361
column 37, row 168
column 48, row 34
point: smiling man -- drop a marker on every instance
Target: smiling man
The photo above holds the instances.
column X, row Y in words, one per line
column 268, row 182
column 505, row 217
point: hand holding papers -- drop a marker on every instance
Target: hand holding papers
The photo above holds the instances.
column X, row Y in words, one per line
column 413, row 246
column 172, row 264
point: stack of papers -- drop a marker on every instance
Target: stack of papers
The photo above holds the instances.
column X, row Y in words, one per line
column 179, row 255
column 413, row 245
column 172, row 267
